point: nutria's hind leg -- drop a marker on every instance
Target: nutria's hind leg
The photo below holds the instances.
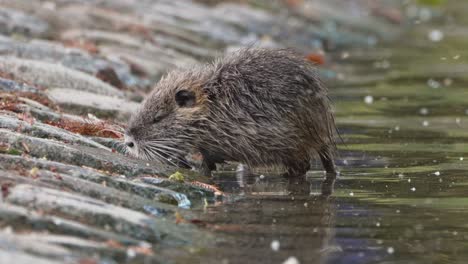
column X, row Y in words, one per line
column 297, row 169
column 327, row 160
column 207, row 167
column 209, row 163
column 328, row 163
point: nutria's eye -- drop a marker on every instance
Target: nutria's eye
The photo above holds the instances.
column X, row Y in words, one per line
column 185, row 98
column 156, row 119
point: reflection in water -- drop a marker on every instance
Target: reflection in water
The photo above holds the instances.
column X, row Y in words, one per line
column 273, row 209
column 294, row 186
column 328, row 184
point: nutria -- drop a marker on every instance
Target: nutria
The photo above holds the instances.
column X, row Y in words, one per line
column 255, row 106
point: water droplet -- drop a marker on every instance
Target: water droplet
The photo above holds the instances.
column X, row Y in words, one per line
column 436, row 35
column 345, row 55
column 390, row 250
column 131, row 253
column 433, row 84
column 275, row 245
column 291, row 260
column 369, row 99
column 448, row 82
column 424, row 111
column 385, row 64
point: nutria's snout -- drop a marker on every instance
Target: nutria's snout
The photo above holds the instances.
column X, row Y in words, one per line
column 151, row 151
column 255, row 106
column 130, row 144
column 129, row 141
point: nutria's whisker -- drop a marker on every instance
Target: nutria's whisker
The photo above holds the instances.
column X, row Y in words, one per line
column 175, row 158
column 168, row 151
column 143, row 154
column 158, row 153
column 155, row 144
column 160, row 140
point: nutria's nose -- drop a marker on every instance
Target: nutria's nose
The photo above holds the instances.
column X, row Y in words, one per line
column 129, row 141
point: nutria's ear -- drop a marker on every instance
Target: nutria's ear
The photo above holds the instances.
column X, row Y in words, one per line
column 185, row 98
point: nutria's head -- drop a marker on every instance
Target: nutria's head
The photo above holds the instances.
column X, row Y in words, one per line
column 166, row 124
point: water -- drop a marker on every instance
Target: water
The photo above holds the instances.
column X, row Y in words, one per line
column 402, row 196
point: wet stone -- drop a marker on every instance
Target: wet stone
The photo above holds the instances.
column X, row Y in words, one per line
column 78, row 155
column 73, row 58
column 122, row 185
column 22, row 217
column 12, row 256
column 16, row 22
column 119, row 219
column 41, row 130
column 82, row 103
column 195, row 193
column 100, row 214
column 48, row 75
column 7, row 85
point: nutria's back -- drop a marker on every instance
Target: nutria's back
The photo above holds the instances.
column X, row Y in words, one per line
column 256, row 106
